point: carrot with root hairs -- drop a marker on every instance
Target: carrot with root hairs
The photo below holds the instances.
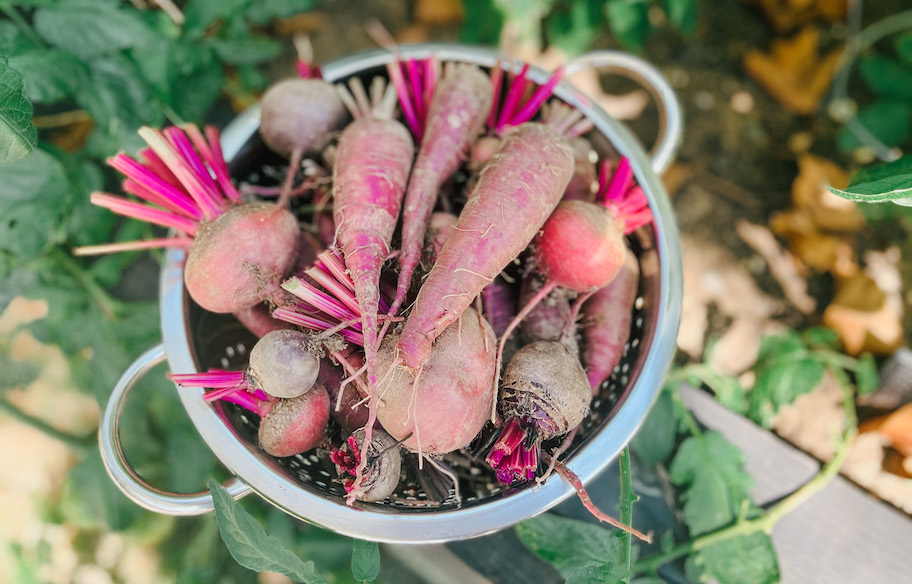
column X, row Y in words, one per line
column 455, row 117
column 515, row 194
column 373, row 159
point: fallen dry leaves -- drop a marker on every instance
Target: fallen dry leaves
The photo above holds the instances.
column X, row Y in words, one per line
column 793, row 71
column 786, row 15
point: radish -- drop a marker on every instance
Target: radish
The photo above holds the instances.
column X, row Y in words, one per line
column 444, row 405
column 584, row 175
column 439, row 229
column 384, row 464
column 258, row 319
column 295, row 425
column 514, row 195
column 455, row 117
column 238, row 252
column 545, row 394
column 606, row 322
column 551, row 319
column 350, row 411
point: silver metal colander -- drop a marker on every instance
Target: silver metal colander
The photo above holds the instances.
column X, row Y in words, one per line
column 424, row 509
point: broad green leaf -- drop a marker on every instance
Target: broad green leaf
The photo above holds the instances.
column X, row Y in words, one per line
column 886, row 77
column 16, row 373
column 199, row 15
column 748, row 559
column 49, row 75
column 876, row 184
column 867, row 378
column 120, row 102
column 780, row 382
column 91, row 500
column 682, row 14
column 365, row 562
column 88, row 28
column 655, row 440
column 628, row 21
column 17, row 134
column 251, row 546
column 262, row 11
column 33, row 194
column 727, row 389
column 568, row 544
column 483, row 23
column 575, row 27
column 903, row 46
column 889, row 120
column 710, row 469
column 821, row 337
column 246, row 50
column 648, row 580
column 604, row 574
column 12, row 41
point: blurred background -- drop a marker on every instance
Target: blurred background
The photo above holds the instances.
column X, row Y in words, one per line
column 781, row 97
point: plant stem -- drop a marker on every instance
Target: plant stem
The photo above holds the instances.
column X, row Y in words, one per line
column 110, row 306
column 78, row 443
column 625, row 510
column 24, row 27
column 766, row 521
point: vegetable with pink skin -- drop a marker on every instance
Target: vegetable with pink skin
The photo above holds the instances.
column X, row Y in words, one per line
column 455, row 117
column 373, row 160
column 295, row 425
column 445, row 405
column 606, row 322
column 348, row 410
column 514, row 195
column 238, row 252
column 439, row 229
column 545, row 394
column 551, row 319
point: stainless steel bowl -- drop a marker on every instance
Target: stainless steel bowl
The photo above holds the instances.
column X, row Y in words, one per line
column 195, row 340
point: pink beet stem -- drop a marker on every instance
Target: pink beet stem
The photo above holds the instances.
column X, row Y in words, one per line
column 335, row 289
column 330, row 261
column 538, row 98
column 318, row 299
column 517, row 89
column 249, row 401
column 182, row 170
column 212, row 155
column 212, row 379
column 155, row 164
column 87, row 250
column 145, row 193
column 198, row 170
column 496, row 80
column 430, row 80
column 215, row 394
column 143, row 175
column 414, row 77
column 619, row 181
column 408, row 112
column 317, row 324
column 143, row 212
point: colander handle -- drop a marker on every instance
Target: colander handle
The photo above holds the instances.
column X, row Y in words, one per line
column 671, row 124
column 120, row 471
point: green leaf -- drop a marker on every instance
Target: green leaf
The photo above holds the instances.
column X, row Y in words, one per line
column 876, row 184
column 16, row 373
column 710, row 469
column 17, row 134
column 568, row 544
column 628, row 21
column 50, row 75
column 90, row 499
column 199, row 15
column 655, row 440
column 262, row 11
column 247, row 50
column 483, row 23
column 251, row 546
column 102, row 28
column 889, row 120
column 727, row 389
column 784, row 369
column 902, row 44
column 33, row 195
column 119, row 101
column 574, row 28
column 648, row 580
column 604, row 574
column 867, row 378
column 886, row 77
column 12, row 41
column 821, row 337
column 682, row 14
column 365, row 562
column 748, row 559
